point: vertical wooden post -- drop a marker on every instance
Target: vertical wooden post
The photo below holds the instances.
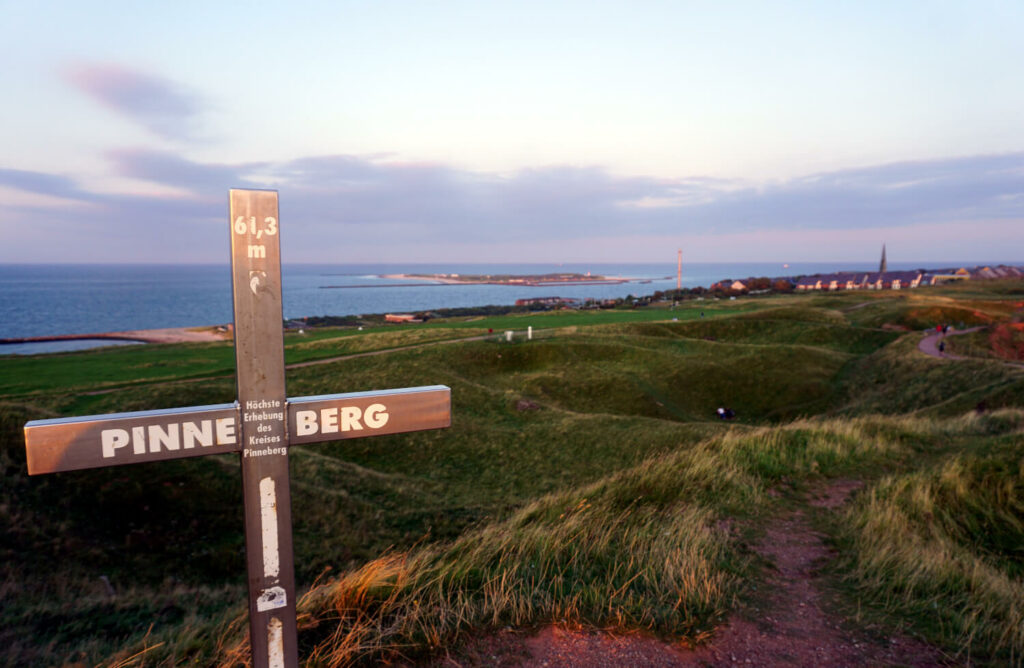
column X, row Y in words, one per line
column 259, row 355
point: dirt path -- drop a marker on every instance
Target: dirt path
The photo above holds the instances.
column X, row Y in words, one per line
column 385, row 351
column 797, row 625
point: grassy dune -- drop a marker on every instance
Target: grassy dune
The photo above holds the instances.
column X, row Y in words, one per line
column 585, row 480
column 945, row 544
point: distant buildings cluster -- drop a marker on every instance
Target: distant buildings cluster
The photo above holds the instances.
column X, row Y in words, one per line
column 881, row 280
column 902, row 280
column 1000, row 271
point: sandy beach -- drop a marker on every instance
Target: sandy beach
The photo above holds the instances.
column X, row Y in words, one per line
column 167, row 335
column 176, row 334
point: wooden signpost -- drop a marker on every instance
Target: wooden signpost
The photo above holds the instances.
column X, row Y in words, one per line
column 261, row 425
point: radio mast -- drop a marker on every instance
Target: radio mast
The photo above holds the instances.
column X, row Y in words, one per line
column 679, row 270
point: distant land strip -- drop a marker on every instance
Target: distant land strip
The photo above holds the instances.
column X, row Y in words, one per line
column 530, row 284
column 514, row 279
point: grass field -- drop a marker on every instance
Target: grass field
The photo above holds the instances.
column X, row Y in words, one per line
column 585, row 479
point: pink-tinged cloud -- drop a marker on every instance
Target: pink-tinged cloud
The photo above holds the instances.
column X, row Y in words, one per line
column 161, row 106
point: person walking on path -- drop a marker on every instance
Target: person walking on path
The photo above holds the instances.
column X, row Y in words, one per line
column 934, row 344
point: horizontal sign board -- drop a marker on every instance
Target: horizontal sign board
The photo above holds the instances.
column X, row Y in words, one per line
column 333, row 417
column 68, row 444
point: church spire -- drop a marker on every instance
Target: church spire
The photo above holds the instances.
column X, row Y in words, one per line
column 882, row 266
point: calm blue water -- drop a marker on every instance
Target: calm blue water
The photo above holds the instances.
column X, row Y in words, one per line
column 38, row 347
column 41, row 300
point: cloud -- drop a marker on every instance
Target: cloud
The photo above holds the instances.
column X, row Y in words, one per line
column 161, row 106
column 560, row 203
column 369, row 207
column 40, row 183
column 894, row 194
column 170, row 169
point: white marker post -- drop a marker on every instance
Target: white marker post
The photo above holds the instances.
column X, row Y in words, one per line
column 261, row 425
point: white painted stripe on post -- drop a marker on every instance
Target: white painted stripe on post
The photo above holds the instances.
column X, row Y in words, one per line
column 275, row 644
column 268, row 515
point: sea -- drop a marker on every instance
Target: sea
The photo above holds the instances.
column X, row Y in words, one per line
column 58, row 299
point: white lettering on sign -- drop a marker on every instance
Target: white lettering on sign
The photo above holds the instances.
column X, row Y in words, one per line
column 349, row 418
column 341, row 418
column 139, row 440
column 171, row 436
column 376, row 416
column 168, row 439
column 263, row 415
column 202, row 434
column 225, row 431
column 248, row 225
column 257, row 404
column 263, row 452
column 264, row 440
column 112, row 439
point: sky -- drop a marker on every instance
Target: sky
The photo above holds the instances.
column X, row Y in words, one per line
column 410, row 131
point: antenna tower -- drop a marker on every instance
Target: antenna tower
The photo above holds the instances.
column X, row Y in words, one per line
column 679, row 270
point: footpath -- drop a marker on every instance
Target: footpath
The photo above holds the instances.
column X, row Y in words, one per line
column 929, row 345
column 796, row 624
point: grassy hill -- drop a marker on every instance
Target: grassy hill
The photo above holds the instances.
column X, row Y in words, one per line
column 585, row 478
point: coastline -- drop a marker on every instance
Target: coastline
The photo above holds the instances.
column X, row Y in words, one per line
column 54, row 303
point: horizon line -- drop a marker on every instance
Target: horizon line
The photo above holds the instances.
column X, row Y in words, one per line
column 227, row 262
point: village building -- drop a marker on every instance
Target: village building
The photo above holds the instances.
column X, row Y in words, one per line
column 728, row 284
column 808, row 283
column 997, row 272
column 401, row 317
column 901, row 280
column 946, row 275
